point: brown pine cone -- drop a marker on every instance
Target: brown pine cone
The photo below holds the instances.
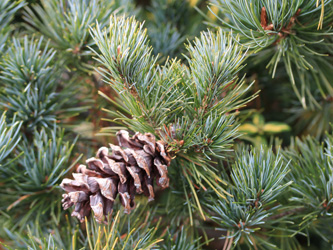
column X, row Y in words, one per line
column 129, row 169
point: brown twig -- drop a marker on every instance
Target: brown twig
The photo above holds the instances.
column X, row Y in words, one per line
column 285, row 31
column 264, row 20
column 226, row 242
column 286, row 213
column 27, row 196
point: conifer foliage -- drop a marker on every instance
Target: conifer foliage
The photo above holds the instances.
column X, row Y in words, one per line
column 212, row 124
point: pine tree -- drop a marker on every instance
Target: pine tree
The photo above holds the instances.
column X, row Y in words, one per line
column 213, row 125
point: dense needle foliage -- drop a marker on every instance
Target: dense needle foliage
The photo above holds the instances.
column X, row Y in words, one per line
column 239, row 91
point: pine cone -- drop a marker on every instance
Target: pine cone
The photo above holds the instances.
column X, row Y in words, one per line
column 128, row 170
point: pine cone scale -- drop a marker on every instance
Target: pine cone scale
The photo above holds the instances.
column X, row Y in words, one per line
column 78, row 196
column 136, row 174
column 97, row 205
column 108, row 187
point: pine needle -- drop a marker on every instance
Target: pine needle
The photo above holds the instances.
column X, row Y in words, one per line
column 321, row 19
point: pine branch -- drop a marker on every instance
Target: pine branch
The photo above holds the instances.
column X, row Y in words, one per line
column 285, row 31
column 67, row 23
column 30, row 78
column 43, row 165
column 150, row 93
column 257, row 181
column 169, row 101
column 313, row 184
